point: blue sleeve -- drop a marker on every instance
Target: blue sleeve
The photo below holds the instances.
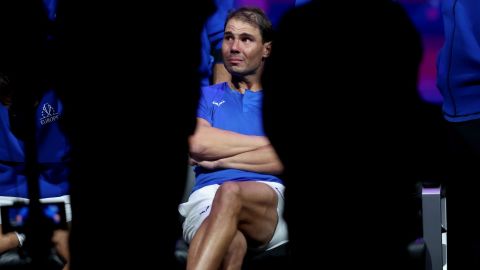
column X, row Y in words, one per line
column 216, row 23
column 205, row 107
column 206, row 62
column 214, row 28
column 458, row 63
column 301, row 2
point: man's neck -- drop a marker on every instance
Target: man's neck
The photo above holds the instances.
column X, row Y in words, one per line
column 242, row 84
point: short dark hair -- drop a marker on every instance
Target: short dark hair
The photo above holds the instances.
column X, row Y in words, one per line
column 256, row 17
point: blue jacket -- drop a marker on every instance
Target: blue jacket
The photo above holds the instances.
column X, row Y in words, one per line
column 53, row 152
column 458, row 66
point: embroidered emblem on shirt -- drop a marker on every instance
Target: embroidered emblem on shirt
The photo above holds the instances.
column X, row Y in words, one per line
column 48, row 114
column 218, row 103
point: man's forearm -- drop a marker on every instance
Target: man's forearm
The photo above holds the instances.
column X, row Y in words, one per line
column 7, row 241
column 261, row 160
column 209, row 143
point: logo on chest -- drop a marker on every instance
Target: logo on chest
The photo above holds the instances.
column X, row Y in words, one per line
column 49, row 114
column 218, row 103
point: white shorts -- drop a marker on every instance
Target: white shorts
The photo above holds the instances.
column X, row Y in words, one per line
column 198, row 206
column 6, row 200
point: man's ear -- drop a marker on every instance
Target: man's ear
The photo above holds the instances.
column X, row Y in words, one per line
column 267, row 49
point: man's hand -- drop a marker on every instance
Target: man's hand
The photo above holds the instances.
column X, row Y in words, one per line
column 211, row 165
column 192, row 162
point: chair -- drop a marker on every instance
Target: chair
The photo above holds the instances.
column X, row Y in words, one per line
column 434, row 216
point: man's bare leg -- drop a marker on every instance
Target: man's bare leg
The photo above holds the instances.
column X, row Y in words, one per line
column 60, row 240
column 233, row 260
column 246, row 206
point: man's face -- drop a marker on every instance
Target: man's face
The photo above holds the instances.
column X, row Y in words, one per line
column 242, row 48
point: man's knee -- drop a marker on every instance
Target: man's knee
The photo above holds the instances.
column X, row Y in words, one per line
column 228, row 197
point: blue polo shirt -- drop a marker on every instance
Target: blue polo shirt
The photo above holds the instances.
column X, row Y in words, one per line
column 53, row 152
column 228, row 109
